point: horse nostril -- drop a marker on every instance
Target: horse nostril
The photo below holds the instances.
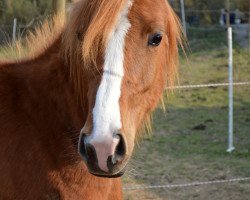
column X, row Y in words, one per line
column 88, row 153
column 120, row 149
column 82, row 147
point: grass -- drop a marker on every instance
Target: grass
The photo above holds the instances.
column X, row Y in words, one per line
column 190, row 140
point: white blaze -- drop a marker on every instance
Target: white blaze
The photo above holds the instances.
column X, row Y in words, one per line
column 106, row 112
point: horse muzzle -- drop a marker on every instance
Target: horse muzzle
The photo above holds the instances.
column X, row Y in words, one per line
column 104, row 156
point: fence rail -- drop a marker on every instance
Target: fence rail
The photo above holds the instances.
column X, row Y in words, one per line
column 186, row 184
column 208, row 85
column 204, row 11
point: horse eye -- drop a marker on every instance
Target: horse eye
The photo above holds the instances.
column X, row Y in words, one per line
column 155, row 39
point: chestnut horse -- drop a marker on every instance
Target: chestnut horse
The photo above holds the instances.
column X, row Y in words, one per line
column 71, row 109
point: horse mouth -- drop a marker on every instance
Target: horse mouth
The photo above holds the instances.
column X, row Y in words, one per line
column 101, row 174
column 120, row 174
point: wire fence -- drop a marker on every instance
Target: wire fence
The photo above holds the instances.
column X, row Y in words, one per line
column 212, row 85
column 207, row 11
column 194, row 184
column 17, row 30
column 7, row 32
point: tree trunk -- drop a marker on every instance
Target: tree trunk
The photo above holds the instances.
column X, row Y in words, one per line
column 59, row 6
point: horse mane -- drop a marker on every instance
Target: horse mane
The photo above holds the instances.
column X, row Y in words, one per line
column 176, row 39
column 86, row 35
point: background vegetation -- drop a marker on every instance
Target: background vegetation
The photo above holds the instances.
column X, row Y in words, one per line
column 26, row 10
column 212, row 8
column 212, row 4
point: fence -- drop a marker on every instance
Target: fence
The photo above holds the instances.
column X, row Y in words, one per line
column 10, row 32
column 221, row 17
column 196, row 17
column 187, row 184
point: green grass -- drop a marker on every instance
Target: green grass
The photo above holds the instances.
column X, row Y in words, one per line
column 190, row 140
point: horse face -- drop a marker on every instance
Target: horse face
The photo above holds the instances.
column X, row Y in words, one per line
column 133, row 80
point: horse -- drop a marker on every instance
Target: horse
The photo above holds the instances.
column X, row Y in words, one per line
column 73, row 105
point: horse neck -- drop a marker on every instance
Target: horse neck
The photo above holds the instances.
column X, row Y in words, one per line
column 50, row 101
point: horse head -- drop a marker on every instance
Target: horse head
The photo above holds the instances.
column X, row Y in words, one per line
column 123, row 55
